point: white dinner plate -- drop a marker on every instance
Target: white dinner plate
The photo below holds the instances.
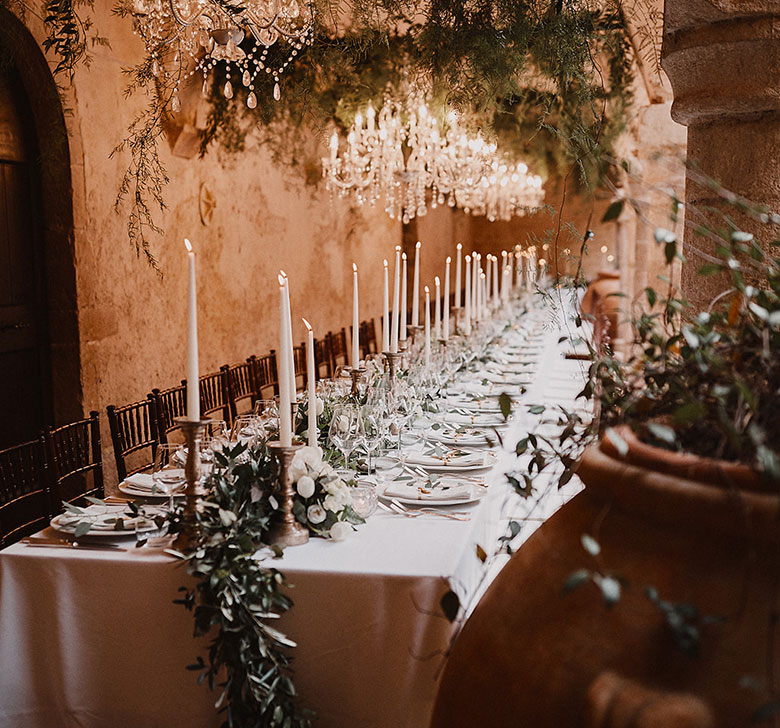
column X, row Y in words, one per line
column 70, row 529
column 468, row 439
column 129, row 489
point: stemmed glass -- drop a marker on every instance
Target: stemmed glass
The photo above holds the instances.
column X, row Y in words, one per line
column 344, row 432
column 168, row 469
column 267, row 412
column 372, row 431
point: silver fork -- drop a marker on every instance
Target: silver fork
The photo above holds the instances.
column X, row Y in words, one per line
column 428, row 511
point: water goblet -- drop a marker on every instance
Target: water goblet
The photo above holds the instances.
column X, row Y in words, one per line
column 344, row 431
column 168, row 469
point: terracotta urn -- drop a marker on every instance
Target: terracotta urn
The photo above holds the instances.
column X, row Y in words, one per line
column 534, row 655
column 605, row 308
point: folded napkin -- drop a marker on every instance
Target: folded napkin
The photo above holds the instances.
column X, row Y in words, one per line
column 100, row 519
column 432, row 493
column 476, row 405
column 140, row 481
column 450, row 461
column 475, row 419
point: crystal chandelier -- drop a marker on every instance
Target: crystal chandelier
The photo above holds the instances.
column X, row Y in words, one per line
column 405, row 157
column 188, row 37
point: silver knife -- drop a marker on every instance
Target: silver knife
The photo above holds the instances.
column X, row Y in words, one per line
column 56, row 543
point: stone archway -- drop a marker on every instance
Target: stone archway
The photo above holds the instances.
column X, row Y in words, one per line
column 56, row 226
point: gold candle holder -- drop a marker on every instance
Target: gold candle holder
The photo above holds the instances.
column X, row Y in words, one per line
column 393, row 359
column 356, row 375
column 285, row 529
column 193, row 433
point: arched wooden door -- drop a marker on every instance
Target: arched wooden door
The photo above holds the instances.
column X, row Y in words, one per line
column 25, row 376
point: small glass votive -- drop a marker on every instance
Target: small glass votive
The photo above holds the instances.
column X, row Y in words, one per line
column 364, row 498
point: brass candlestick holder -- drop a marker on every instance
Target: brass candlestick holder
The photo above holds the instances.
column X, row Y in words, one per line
column 356, row 375
column 285, row 529
column 193, row 433
column 393, row 359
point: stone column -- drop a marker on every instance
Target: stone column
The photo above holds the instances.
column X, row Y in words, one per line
column 723, row 60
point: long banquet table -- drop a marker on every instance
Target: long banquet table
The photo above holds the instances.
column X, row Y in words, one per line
column 92, row 638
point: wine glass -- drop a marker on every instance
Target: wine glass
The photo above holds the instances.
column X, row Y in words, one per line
column 168, row 469
column 344, row 432
column 372, row 431
column 267, row 412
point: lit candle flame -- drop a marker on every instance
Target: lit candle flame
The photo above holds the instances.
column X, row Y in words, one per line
column 188, row 244
column 306, row 324
column 354, row 267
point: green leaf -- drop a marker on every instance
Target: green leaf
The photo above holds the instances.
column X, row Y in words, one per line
column 651, row 295
column 620, row 444
column 536, row 409
column 575, row 580
column 613, row 211
column 481, row 554
column 82, row 528
column 505, row 403
column 610, row 589
column 590, row 544
column 664, row 433
column 710, row 269
column 450, row 605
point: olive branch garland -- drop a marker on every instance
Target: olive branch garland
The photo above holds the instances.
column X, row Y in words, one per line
column 236, row 596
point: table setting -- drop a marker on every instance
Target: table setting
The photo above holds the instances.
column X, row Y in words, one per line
column 375, row 508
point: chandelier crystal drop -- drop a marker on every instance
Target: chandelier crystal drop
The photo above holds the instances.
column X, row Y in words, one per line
column 188, row 37
column 405, row 157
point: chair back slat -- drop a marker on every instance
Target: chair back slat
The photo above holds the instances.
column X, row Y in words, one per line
column 75, row 461
column 368, row 343
column 25, row 498
column 169, row 404
column 266, row 377
column 339, row 352
column 214, row 399
column 322, row 358
column 242, row 386
column 134, row 436
column 299, row 359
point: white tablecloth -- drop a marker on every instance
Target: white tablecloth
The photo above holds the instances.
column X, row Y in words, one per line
column 92, row 638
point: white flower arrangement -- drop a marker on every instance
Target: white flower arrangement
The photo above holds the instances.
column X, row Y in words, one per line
column 323, row 502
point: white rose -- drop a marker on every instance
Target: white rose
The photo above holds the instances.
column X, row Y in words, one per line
column 305, row 486
column 340, row 530
column 316, row 513
column 332, row 503
column 343, row 423
column 320, row 406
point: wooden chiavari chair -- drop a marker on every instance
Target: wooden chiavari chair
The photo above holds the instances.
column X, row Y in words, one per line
column 339, row 351
column 368, row 341
column 322, row 358
column 134, row 436
column 299, row 359
column 266, row 377
column 169, row 404
column 242, row 386
column 25, row 497
column 75, row 461
column 214, row 396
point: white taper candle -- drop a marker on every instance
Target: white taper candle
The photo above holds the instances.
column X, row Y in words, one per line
column 311, row 388
column 416, row 287
column 283, row 368
column 193, row 384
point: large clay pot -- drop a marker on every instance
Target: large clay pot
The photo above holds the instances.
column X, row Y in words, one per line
column 533, row 656
column 604, row 308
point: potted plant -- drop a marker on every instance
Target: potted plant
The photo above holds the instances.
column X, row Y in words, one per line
column 651, row 598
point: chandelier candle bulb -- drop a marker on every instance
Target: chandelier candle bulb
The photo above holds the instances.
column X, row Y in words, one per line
column 285, row 427
column 427, row 326
column 355, row 320
column 402, row 327
column 467, row 297
column 311, row 387
column 386, row 312
column 396, row 301
column 416, row 287
column 446, row 333
column 457, row 275
column 291, row 356
column 193, row 387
